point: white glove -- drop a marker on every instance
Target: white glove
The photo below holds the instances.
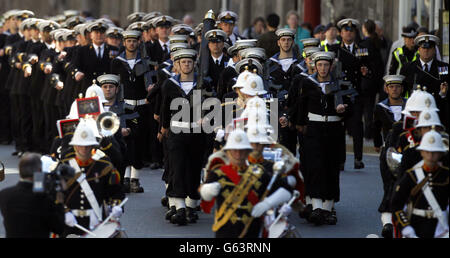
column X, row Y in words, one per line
column 220, row 135
column 70, row 219
column 285, row 210
column 409, row 232
column 93, row 221
column 278, row 197
column 209, row 191
column 116, row 212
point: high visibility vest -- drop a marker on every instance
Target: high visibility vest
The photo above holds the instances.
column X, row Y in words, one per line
column 325, row 46
column 399, row 56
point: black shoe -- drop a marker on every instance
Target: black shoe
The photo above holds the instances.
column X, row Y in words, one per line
column 305, row 211
column 172, row 211
column 342, row 167
column 329, row 218
column 126, row 185
column 135, row 186
column 359, row 164
column 165, row 202
column 388, row 231
column 155, row 166
column 15, row 153
column 20, row 154
column 316, row 217
column 180, row 217
column 191, row 215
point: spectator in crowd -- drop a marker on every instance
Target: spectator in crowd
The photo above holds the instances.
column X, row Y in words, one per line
column 256, row 30
column 292, row 19
column 319, row 32
column 268, row 40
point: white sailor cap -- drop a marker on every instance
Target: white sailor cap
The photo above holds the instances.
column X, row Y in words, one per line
column 241, row 45
column 309, row 51
column 71, row 13
column 58, row 34
column 69, row 35
column 254, row 52
column 394, row 79
column 185, row 53
column 136, row 16
column 322, row 55
column 97, row 25
column 47, row 25
column 227, row 17
column 139, row 26
column 74, row 21
column 349, row 22
column 60, row 18
column 178, row 39
column 108, row 79
column 131, row 34
column 26, row 24
column 150, row 16
column 310, row 42
column 23, row 14
column 182, row 29
column 114, row 32
column 177, row 46
column 9, row 14
column 198, row 29
column 163, row 21
column 216, row 36
column 426, row 41
column 249, row 64
column 285, row 32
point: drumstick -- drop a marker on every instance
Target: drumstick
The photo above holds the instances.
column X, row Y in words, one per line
column 295, row 196
column 85, row 230
column 110, row 215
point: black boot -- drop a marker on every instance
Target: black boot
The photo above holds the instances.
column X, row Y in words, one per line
column 172, row 211
column 305, row 212
column 191, row 215
column 180, row 217
column 126, row 185
column 135, row 186
column 359, row 164
column 329, row 217
column 165, row 202
column 388, row 231
column 317, row 217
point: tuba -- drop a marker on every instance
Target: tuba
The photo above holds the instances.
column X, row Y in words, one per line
column 108, row 123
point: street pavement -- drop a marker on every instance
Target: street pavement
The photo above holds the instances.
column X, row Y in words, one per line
column 361, row 193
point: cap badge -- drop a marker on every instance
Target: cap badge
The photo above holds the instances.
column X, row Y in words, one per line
column 84, row 135
column 253, row 85
column 428, row 102
column 431, row 140
column 427, row 116
column 238, row 139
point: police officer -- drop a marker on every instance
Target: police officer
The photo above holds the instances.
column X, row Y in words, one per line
column 96, row 182
column 387, row 112
column 424, row 191
column 185, row 141
column 430, row 73
column 331, row 42
column 240, row 191
column 321, row 115
column 405, row 54
column 127, row 66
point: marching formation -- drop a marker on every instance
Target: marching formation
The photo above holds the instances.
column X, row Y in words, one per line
column 250, row 126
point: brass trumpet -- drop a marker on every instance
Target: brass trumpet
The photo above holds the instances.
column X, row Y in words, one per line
column 108, row 123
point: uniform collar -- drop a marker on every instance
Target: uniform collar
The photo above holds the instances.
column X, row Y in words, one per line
column 430, row 169
column 422, row 63
column 215, row 59
column 84, row 163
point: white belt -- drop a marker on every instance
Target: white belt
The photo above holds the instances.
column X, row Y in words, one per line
column 319, row 118
column 185, row 125
column 429, row 214
column 135, row 102
column 82, row 213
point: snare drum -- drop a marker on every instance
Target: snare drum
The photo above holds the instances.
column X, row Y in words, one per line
column 111, row 229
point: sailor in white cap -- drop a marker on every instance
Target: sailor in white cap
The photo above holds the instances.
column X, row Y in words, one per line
column 423, row 190
column 226, row 22
column 322, row 114
column 218, row 60
column 160, row 50
column 114, row 36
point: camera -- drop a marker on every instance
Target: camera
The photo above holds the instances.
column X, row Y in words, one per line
column 50, row 183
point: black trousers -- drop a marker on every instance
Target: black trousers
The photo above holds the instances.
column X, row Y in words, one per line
column 50, row 117
column 38, row 120
column 322, row 147
column 388, row 183
column 5, row 116
column 155, row 147
column 15, row 122
column 355, row 126
column 186, row 152
column 288, row 138
column 137, row 142
column 25, row 122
